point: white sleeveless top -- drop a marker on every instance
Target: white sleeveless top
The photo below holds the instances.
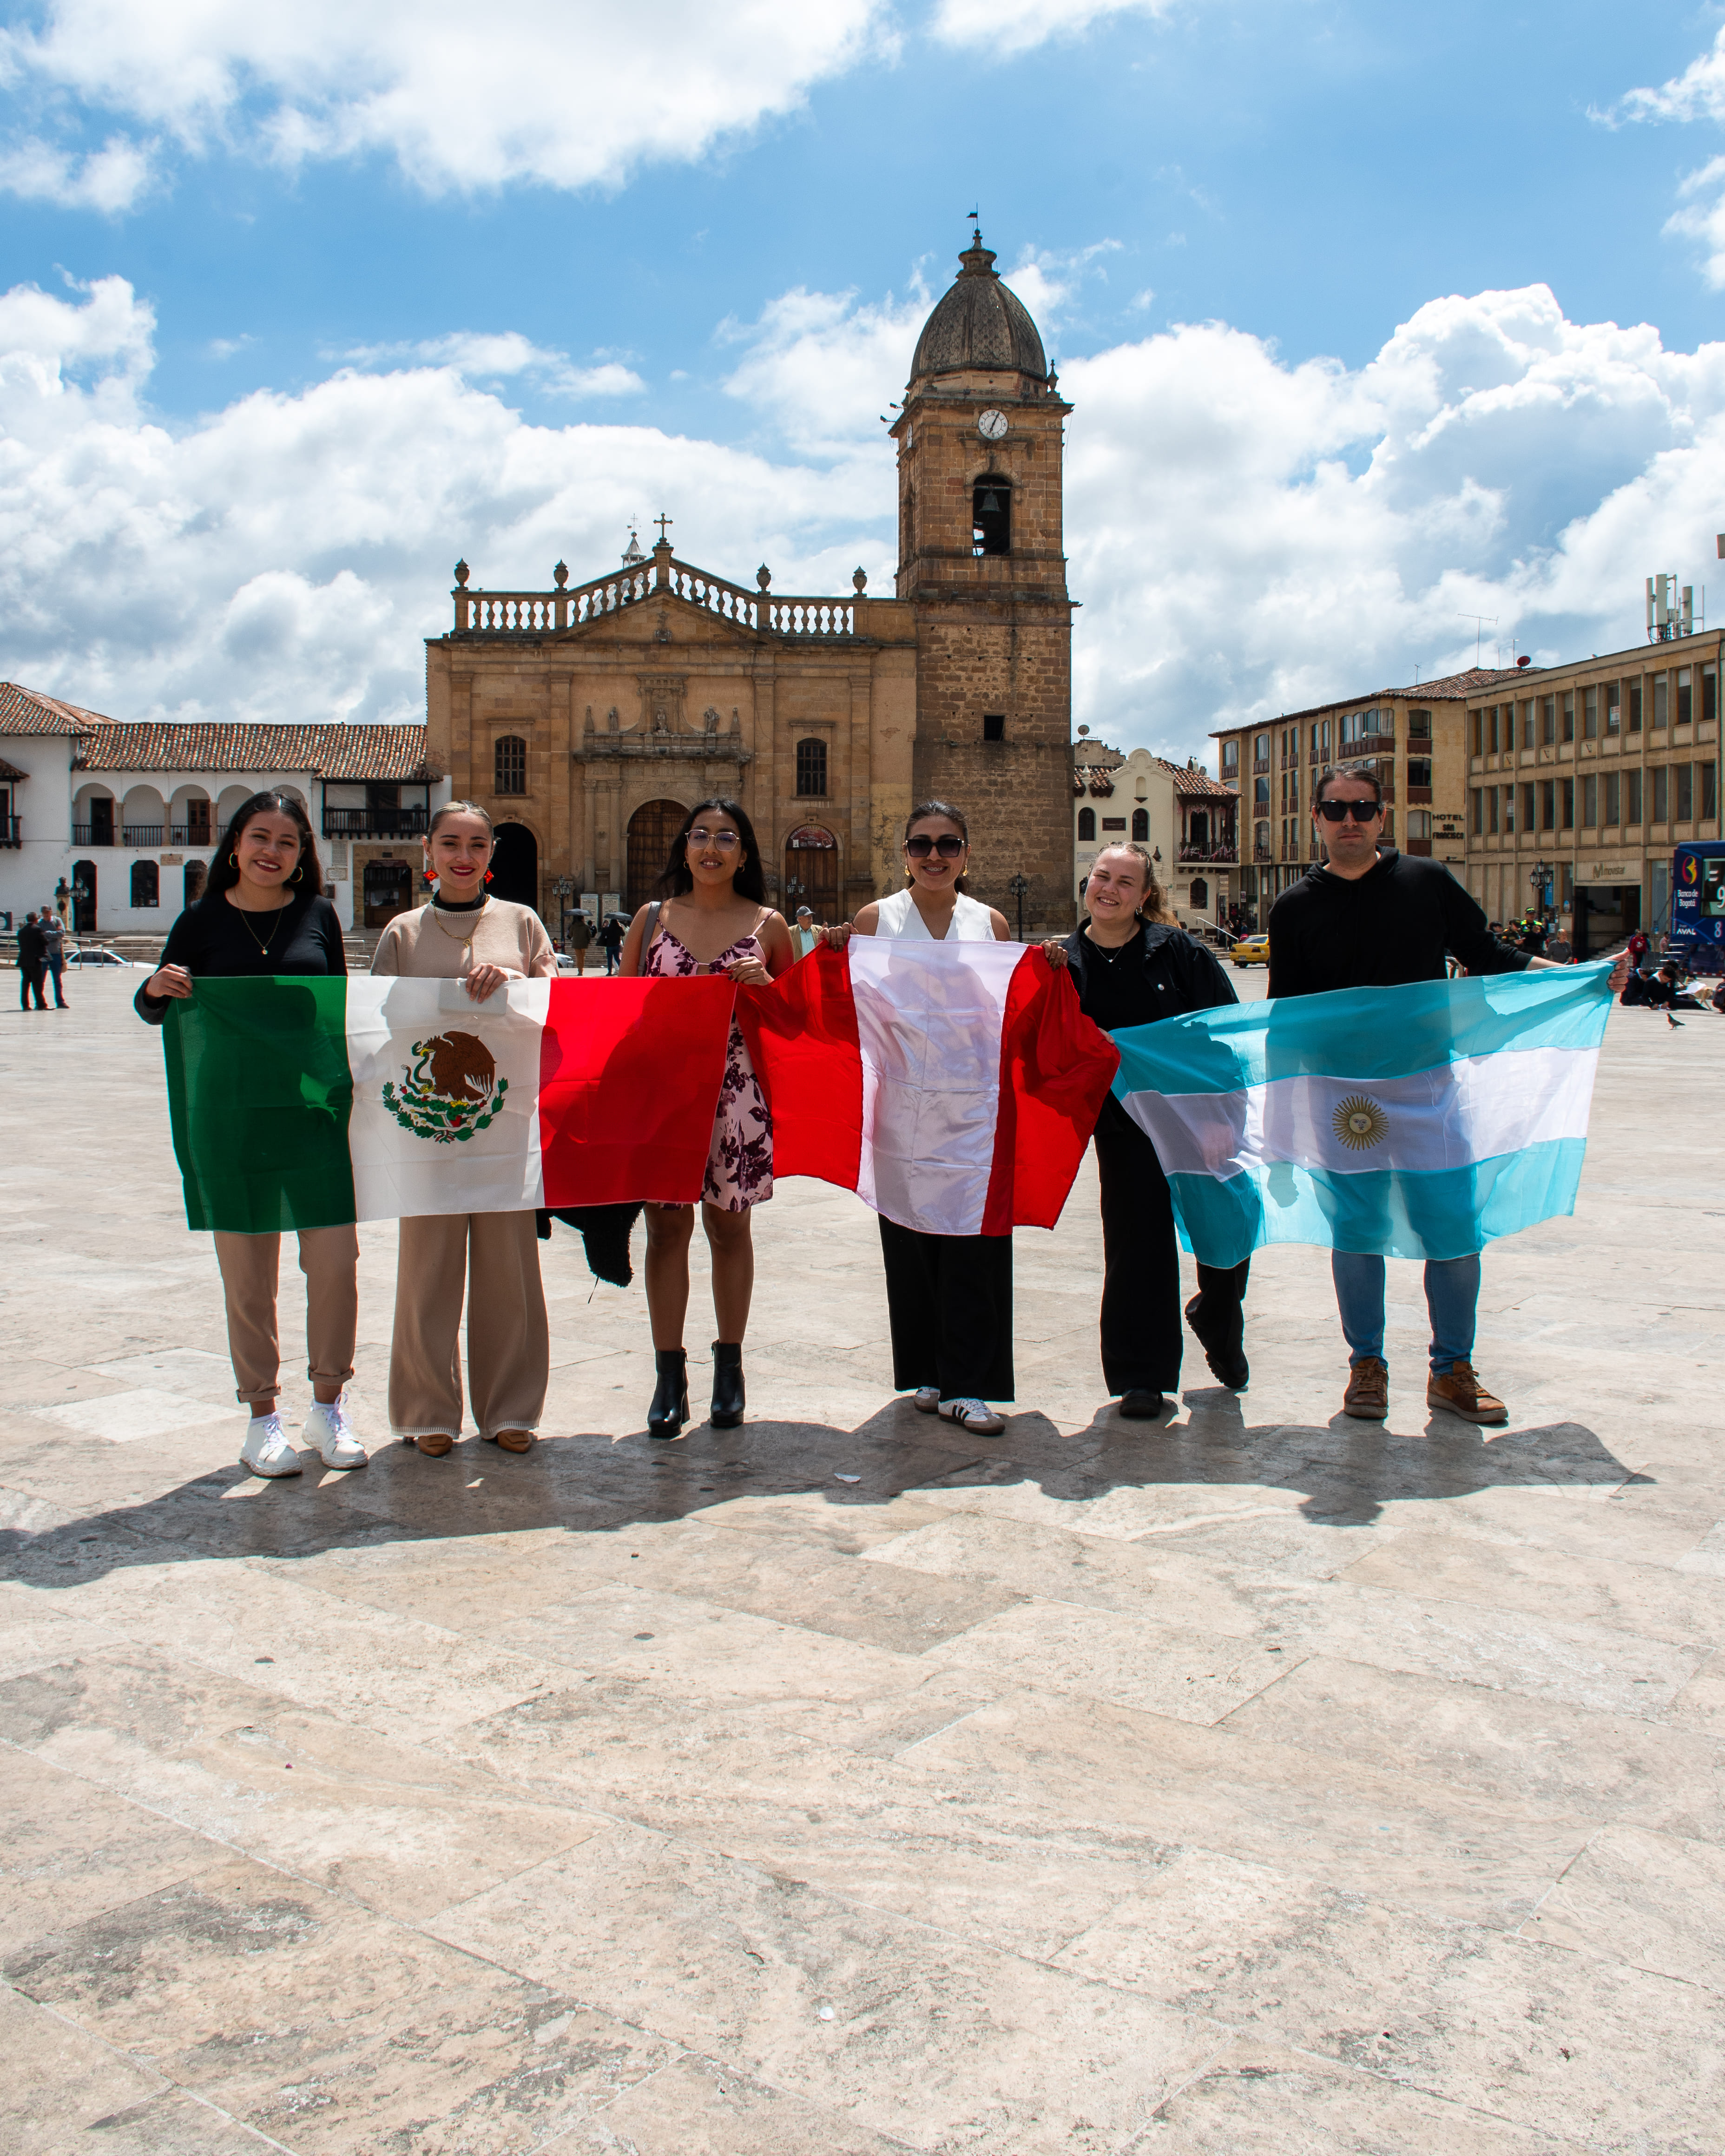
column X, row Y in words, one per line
column 898, row 916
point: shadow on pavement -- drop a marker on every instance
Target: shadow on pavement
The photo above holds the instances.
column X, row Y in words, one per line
column 587, row 1484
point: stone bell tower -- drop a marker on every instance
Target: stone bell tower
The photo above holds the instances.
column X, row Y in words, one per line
column 982, row 558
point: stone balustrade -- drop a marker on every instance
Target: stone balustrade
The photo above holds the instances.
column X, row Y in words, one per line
column 545, row 613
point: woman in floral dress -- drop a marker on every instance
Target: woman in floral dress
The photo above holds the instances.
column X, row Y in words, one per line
column 712, row 917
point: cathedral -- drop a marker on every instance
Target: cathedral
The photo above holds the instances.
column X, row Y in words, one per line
column 588, row 718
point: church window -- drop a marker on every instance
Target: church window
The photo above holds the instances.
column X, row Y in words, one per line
column 1141, row 823
column 510, row 762
column 1086, row 826
column 811, row 770
column 145, row 884
column 991, row 516
column 994, row 726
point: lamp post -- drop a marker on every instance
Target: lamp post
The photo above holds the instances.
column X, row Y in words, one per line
column 1539, row 875
column 563, row 890
column 1018, row 887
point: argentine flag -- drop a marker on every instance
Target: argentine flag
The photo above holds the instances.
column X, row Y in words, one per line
column 1419, row 1122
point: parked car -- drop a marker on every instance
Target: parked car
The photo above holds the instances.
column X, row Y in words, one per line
column 1252, row 951
column 94, row 955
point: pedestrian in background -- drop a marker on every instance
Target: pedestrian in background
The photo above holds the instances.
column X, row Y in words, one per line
column 580, row 935
column 52, row 933
column 805, row 935
column 611, row 937
column 31, row 957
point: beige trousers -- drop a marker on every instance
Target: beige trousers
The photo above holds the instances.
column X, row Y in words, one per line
column 495, row 1257
column 328, row 1258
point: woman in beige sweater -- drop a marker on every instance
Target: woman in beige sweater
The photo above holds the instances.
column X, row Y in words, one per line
column 463, row 934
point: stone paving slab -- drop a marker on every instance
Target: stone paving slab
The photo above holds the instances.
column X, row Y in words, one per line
column 1257, row 1782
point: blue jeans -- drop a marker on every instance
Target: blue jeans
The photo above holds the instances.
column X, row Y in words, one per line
column 1452, row 1292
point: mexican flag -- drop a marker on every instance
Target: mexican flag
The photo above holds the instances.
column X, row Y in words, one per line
column 953, row 1086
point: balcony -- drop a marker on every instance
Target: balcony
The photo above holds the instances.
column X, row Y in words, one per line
column 375, row 822
column 1223, row 851
column 191, row 835
column 140, row 834
column 1263, row 854
column 12, row 830
column 1261, row 763
column 90, row 834
column 1417, row 794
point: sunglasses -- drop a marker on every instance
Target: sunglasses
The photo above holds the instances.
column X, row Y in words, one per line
column 1361, row 812
column 724, row 840
column 921, row 846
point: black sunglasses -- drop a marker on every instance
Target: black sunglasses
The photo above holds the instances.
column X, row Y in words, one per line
column 1361, row 812
column 921, row 846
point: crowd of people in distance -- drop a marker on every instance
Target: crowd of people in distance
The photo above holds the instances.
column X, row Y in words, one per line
column 1367, row 917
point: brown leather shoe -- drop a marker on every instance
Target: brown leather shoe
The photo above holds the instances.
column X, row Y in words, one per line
column 1462, row 1393
column 514, row 1441
column 435, row 1443
column 1367, row 1395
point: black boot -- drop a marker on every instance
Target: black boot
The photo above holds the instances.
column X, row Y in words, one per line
column 727, row 1384
column 670, row 1409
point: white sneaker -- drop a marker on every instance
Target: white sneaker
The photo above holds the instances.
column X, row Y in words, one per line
column 329, row 1430
column 266, row 1450
column 975, row 1415
column 926, row 1398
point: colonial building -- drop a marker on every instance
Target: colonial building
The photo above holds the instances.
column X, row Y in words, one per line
column 119, row 821
column 1186, row 818
column 1582, row 778
column 1413, row 738
column 589, row 717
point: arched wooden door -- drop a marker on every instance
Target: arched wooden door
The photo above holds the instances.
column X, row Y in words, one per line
column 651, row 830
column 84, row 898
column 514, row 865
column 811, row 873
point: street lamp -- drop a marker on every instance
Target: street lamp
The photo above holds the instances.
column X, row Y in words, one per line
column 1539, row 875
column 563, row 890
column 1018, row 887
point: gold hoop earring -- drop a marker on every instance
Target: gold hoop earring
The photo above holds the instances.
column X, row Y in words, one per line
column 234, row 861
column 297, row 875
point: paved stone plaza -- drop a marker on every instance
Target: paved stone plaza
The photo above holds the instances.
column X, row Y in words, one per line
column 1263, row 1782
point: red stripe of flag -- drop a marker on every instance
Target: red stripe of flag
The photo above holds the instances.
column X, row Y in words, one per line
column 802, row 1039
column 1056, row 1069
column 629, row 1073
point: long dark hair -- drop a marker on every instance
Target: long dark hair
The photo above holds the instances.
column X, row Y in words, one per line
column 952, row 816
column 747, row 881
column 307, row 879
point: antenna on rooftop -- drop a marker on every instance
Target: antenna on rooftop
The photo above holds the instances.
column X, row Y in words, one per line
column 1670, row 611
column 1479, row 621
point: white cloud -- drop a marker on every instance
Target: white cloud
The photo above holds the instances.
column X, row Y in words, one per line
column 481, row 355
column 564, row 93
column 1697, row 94
column 111, row 179
column 1016, row 26
column 1247, row 536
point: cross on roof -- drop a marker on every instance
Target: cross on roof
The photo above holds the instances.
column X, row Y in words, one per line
column 661, row 521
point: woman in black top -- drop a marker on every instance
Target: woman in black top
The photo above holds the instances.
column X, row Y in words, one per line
column 264, row 912
column 1132, row 964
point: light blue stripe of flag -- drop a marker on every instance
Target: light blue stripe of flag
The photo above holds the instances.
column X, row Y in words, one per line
column 1360, row 1036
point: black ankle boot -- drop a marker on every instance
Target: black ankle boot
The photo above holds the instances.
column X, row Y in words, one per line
column 727, row 1384
column 670, row 1409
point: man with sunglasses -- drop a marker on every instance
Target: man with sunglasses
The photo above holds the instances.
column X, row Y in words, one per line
column 1369, row 917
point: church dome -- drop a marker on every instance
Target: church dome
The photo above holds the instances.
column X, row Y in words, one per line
column 979, row 323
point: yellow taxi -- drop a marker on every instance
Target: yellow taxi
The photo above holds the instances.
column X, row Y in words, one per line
column 1251, row 951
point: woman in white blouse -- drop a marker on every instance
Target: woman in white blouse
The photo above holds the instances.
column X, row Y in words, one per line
column 948, row 1297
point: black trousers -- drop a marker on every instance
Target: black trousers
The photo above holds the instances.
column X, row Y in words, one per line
column 949, row 1303
column 1141, row 1338
column 29, row 982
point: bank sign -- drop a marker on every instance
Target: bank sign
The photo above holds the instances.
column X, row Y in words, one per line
column 1698, row 894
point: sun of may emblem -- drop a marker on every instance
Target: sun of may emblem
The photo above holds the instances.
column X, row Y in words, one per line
column 452, row 1089
column 1359, row 1122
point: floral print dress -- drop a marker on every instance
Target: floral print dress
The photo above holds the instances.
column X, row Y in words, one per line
column 739, row 1165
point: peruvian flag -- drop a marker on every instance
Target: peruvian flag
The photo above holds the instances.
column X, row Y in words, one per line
column 953, row 1086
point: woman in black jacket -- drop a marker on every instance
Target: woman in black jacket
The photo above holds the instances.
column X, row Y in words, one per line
column 1132, row 964
column 264, row 912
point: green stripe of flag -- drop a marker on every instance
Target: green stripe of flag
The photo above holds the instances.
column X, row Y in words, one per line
column 258, row 1093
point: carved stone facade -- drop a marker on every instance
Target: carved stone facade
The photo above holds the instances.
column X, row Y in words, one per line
column 582, row 717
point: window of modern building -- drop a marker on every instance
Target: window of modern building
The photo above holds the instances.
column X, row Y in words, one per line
column 1231, row 758
column 1491, row 812
column 1509, row 809
column 1548, row 802
column 1418, row 725
column 1709, row 694
column 1476, row 801
column 1419, row 824
column 1590, row 802
column 1614, row 707
column 1086, row 826
column 991, row 516
column 1479, row 732
column 1569, row 794
column 1141, row 823
column 1549, row 719
column 1661, row 778
column 1528, row 807
column 1686, row 710
column 1418, row 773
column 1634, row 700
column 1632, row 796
column 1568, row 715
column 994, row 726
column 812, row 769
column 1709, row 792
column 1614, row 799
column 1527, row 723
column 509, row 765
column 1661, row 708
column 1260, row 794
column 1684, row 789
column 1591, row 713
column 1260, row 752
column 145, row 884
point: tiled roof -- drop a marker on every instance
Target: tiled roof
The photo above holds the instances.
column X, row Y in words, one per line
column 331, row 751
column 1446, row 689
column 1194, row 783
column 28, row 711
column 10, row 770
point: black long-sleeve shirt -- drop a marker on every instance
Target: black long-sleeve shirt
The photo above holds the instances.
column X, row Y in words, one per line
column 1393, row 924
column 216, row 938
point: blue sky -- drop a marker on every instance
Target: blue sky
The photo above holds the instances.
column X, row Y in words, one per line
column 295, row 311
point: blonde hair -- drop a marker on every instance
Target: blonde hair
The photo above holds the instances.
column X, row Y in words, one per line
column 458, row 809
column 1153, row 906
